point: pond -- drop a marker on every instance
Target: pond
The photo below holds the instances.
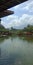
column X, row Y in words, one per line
column 16, row 51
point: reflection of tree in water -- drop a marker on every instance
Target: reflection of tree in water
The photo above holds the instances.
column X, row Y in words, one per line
column 3, row 38
column 13, row 37
column 27, row 38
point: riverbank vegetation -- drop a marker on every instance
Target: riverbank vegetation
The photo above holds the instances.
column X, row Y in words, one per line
column 26, row 31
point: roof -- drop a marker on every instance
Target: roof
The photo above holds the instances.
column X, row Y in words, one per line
column 6, row 13
column 5, row 4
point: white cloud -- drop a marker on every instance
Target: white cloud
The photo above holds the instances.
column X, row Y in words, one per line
column 12, row 17
column 25, row 19
column 19, row 22
column 29, row 6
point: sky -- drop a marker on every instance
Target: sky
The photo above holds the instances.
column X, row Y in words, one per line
column 23, row 15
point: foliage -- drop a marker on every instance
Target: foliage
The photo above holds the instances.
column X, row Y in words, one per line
column 29, row 28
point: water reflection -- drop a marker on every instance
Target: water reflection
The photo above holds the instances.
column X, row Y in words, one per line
column 27, row 38
column 0, row 52
column 3, row 38
column 16, row 51
column 24, row 38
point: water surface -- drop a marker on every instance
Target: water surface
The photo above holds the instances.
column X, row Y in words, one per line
column 16, row 51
